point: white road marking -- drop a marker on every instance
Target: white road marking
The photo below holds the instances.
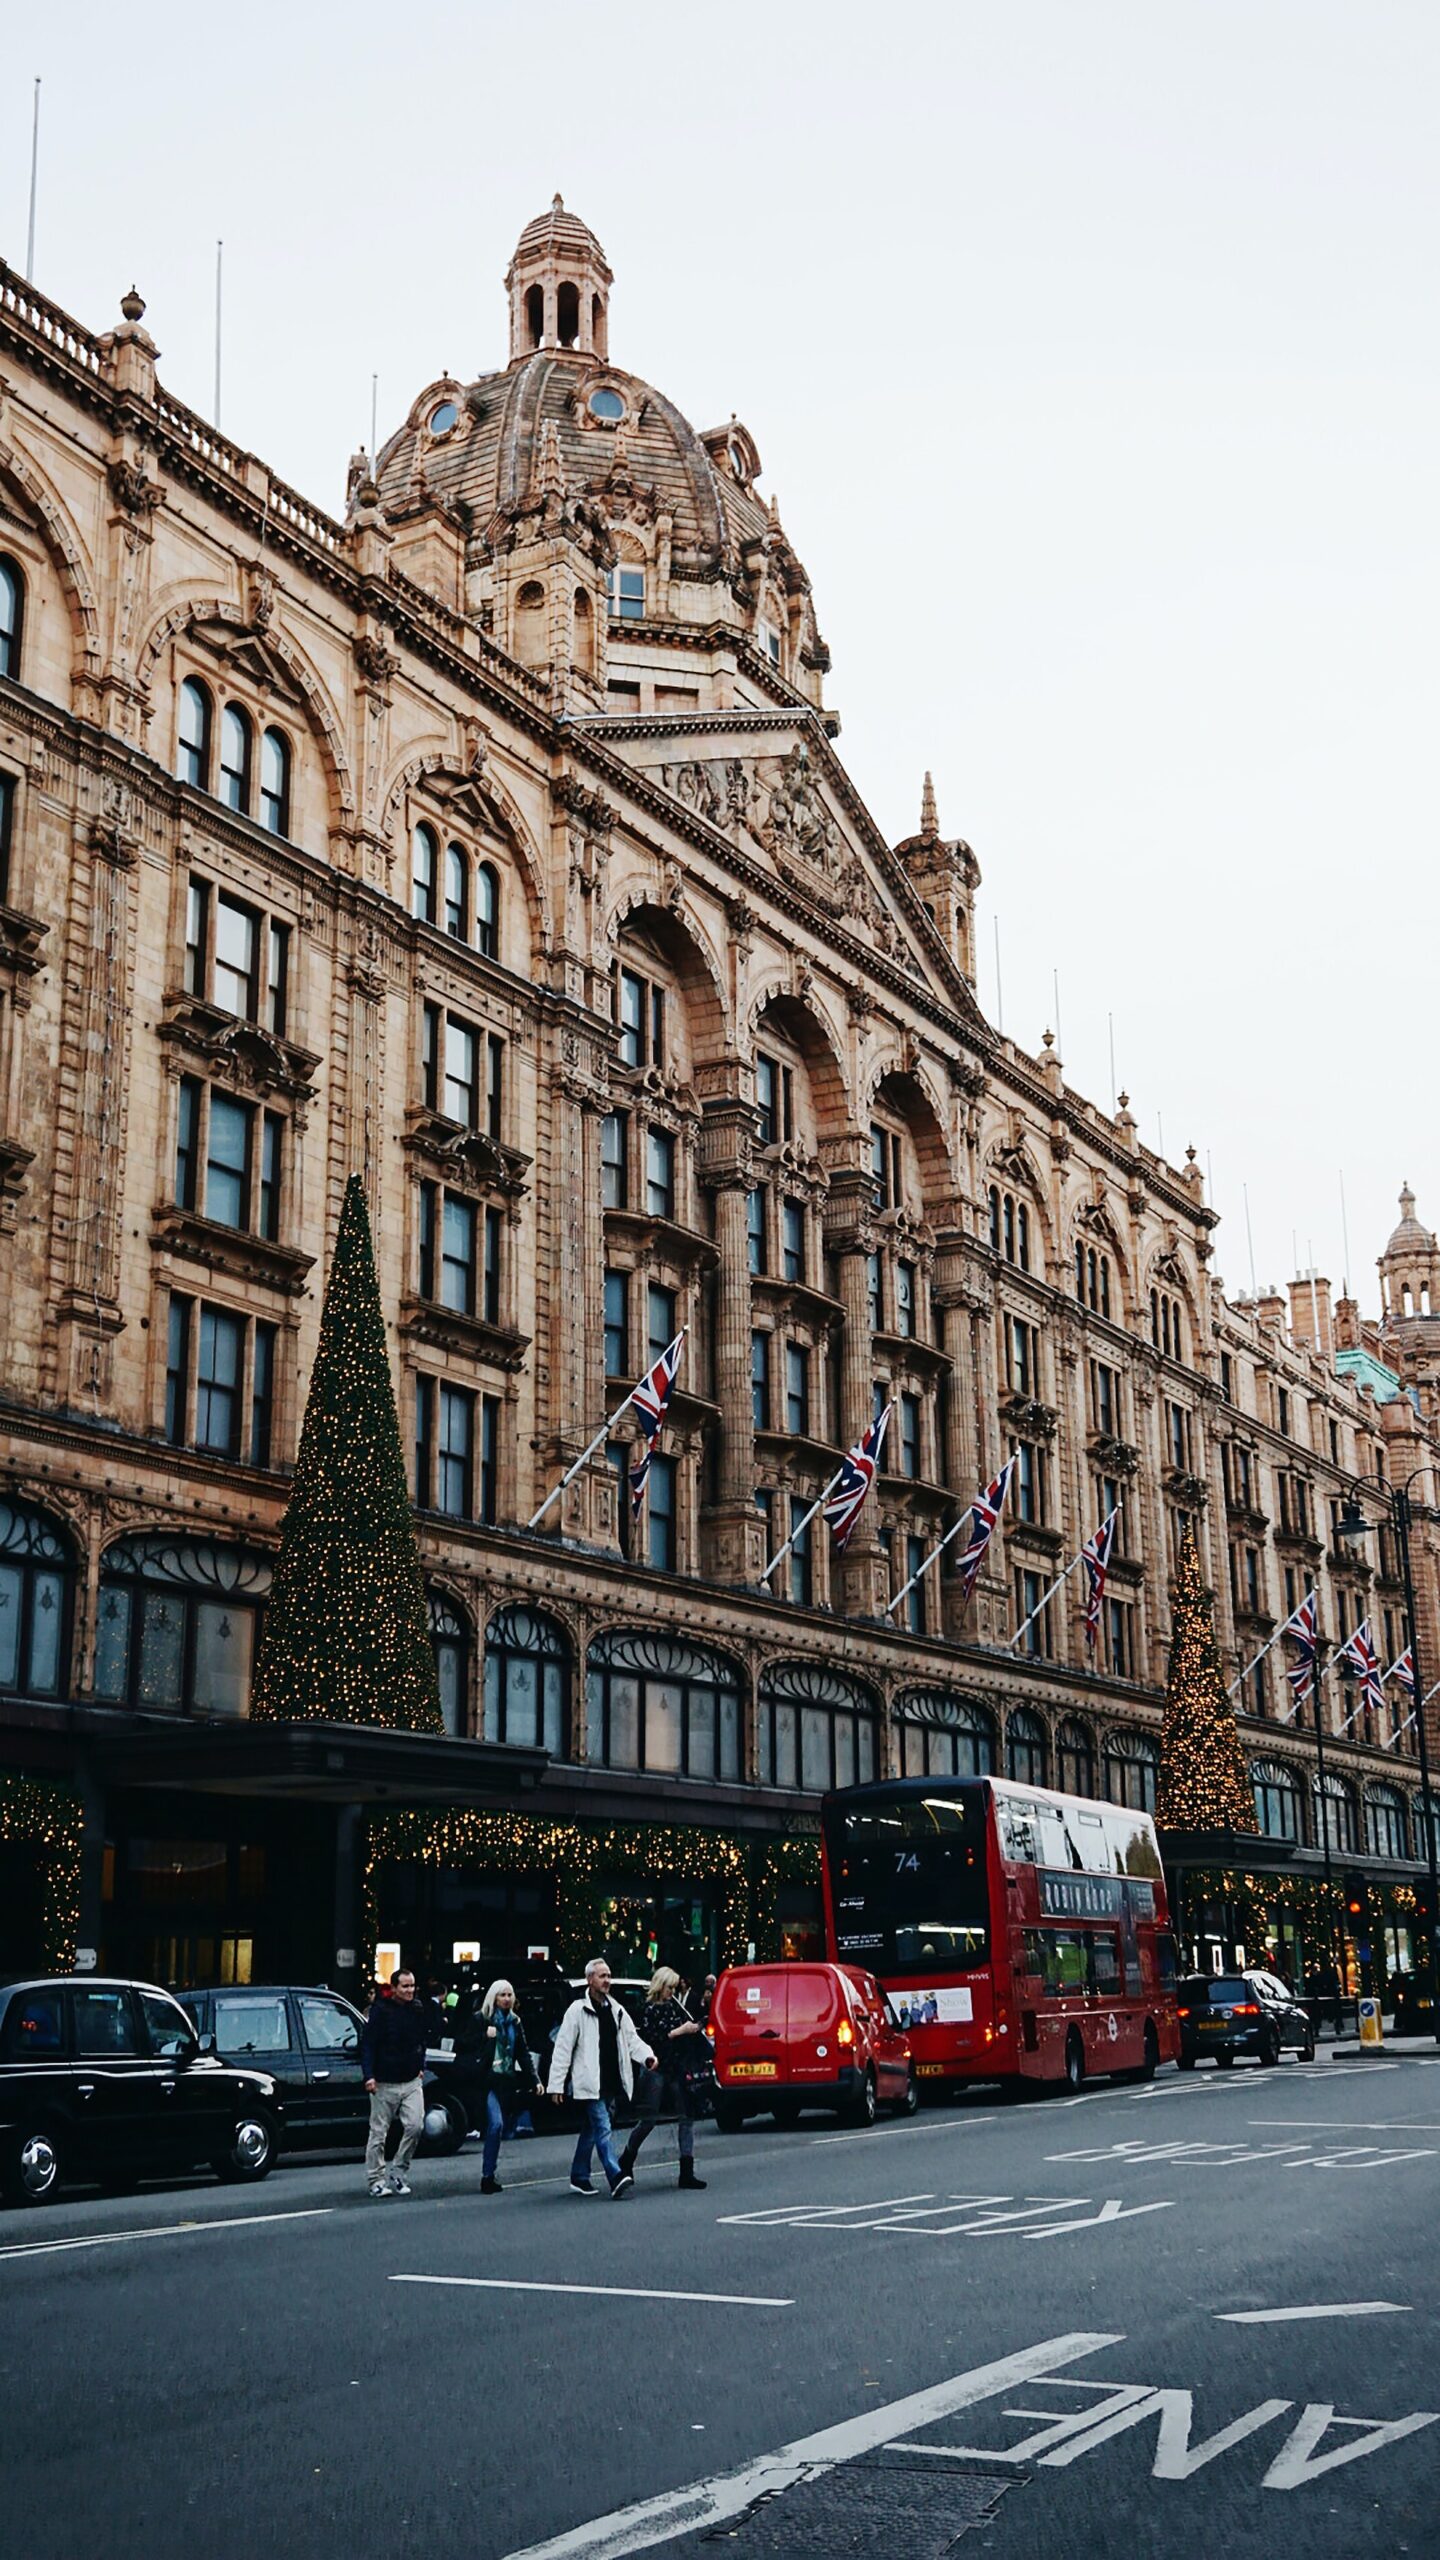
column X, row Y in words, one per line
column 988, row 2217
column 619, row 2292
column 885, row 2133
column 728, row 2493
column 161, row 2231
column 1345, row 2124
column 1310, row 2311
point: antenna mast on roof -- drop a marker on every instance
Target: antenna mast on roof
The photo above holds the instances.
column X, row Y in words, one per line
column 1344, row 1236
column 219, row 280
column 34, row 176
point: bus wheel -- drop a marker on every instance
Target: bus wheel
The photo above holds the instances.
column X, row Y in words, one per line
column 1151, row 2063
column 1074, row 2061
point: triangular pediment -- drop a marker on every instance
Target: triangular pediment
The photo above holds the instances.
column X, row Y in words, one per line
column 248, row 654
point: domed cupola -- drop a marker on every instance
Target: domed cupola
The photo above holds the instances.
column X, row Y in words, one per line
column 559, row 288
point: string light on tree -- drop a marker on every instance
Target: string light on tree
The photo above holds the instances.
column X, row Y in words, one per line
column 1204, row 1783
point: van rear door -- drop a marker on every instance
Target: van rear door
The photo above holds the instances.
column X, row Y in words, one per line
column 814, row 2014
column 749, row 2022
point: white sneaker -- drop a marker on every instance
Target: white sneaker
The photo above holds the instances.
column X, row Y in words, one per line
column 401, row 2187
column 381, row 2187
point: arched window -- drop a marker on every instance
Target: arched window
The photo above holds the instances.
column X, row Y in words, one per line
column 1336, row 1805
column 944, row 1736
column 1010, row 1227
column 1419, row 1826
column 583, row 643
column 530, row 639
column 457, row 893
column 235, row 744
column 535, row 314
column 424, row 874
column 1075, row 1759
column 12, row 614
column 274, row 811
column 1092, row 1277
column 35, row 1569
column 195, row 733
column 660, row 1704
column 527, row 1682
column 567, row 314
column 817, row 1727
column 1132, row 1770
column 1277, row 1800
column 487, row 911
column 1385, row 1823
column 178, row 1622
column 1166, row 1329
column 450, row 1638
column 1026, row 1752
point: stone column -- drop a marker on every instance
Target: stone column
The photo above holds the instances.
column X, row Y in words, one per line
column 734, row 1531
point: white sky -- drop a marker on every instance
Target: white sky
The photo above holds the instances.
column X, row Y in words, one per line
column 1091, row 349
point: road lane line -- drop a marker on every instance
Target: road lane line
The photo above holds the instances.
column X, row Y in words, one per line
column 1347, row 2124
column 1310, row 2311
column 618, row 2292
column 728, row 2493
column 161, row 2231
column 887, row 2133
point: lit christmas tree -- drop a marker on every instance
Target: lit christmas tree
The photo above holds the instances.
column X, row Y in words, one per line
column 347, row 1634
column 1204, row 1783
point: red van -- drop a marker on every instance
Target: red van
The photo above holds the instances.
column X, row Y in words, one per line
column 789, row 2036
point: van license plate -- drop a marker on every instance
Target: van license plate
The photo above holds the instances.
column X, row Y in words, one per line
column 754, row 2070
column 929, row 2070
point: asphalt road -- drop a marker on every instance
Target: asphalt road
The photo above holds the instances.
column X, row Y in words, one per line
column 1016, row 2327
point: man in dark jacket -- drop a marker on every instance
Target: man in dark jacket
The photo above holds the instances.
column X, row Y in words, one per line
column 392, row 2057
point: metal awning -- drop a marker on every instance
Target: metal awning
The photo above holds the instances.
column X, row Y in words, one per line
column 319, row 1762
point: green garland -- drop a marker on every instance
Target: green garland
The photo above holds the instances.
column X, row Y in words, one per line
column 42, row 1814
column 1258, row 1901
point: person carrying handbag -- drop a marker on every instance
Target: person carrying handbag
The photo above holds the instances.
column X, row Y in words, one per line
column 507, row 2074
column 681, row 2047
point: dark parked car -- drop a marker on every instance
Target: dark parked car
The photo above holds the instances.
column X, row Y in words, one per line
column 308, row 2039
column 1224, row 2014
column 108, row 2081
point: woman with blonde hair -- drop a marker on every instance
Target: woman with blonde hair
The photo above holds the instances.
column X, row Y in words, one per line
column 507, row 2073
column 670, row 2031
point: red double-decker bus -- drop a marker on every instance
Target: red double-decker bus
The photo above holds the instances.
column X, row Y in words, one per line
column 1020, row 1934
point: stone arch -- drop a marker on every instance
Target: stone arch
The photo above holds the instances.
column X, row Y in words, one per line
column 805, row 1021
column 1092, row 1221
column 195, row 609
column 1008, row 1161
column 907, row 1085
column 687, row 946
column 443, row 763
column 58, row 534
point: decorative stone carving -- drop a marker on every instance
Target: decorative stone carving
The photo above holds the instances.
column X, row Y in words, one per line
column 1113, row 1457
column 239, row 1053
column 717, row 790
column 1027, row 1415
column 377, row 663
column 132, row 490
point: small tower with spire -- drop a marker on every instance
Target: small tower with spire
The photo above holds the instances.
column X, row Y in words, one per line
column 946, row 875
column 559, row 289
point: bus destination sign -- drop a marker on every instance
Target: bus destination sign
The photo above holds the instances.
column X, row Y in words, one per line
column 1066, row 1896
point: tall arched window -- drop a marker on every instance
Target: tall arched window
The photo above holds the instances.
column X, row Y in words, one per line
column 12, row 614
column 274, row 810
column 944, row 1736
column 487, row 911
column 457, row 893
column 1277, row 1800
column 195, row 716
column 1026, row 1751
column 567, row 314
column 178, row 1621
column 1132, row 1770
column 424, row 874
column 583, row 642
column 35, row 1572
column 817, row 1727
column 235, row 749
column 450, row 1638
column 531, row 646
column 535, row 314
column 1075, row 1758
column 657, row 1703
column 1385, row 1823
column 1335, row 1804
column 528, row 1664
column 1420, row 1827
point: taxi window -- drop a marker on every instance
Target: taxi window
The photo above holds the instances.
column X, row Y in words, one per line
column 254, row 2023
column 35, row 2025
column 328, row 2027
column 104, row 2023
column 170, row 2031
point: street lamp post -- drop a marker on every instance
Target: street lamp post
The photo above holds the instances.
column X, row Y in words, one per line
column 1352, row 1527
column 1334, row 1937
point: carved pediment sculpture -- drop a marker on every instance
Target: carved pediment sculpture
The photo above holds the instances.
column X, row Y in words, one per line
column 797, row 827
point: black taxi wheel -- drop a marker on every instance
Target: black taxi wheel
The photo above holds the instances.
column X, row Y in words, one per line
column 446, row 2125
column 249, row 2155
column 33, row 2165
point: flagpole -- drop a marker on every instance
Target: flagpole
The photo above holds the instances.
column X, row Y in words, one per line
column 1287, row 1629
column 606, row 1427
column 1402, row 1730
column 1044, row 1603
column 933, row 1558
column 802, row 1525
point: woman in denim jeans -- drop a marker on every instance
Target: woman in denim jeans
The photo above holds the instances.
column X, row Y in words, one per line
column 507, row 2072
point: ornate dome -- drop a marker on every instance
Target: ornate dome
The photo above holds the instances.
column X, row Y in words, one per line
column 1410, row 1236
column 558, row 229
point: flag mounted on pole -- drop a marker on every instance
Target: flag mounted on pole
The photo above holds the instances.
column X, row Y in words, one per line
column 985, row 1510
column 846, row 1499
column 1095, row 1557
column 650, row 1399
column 1359, row 1657
column 1403, row 1670
column 1302, row 1627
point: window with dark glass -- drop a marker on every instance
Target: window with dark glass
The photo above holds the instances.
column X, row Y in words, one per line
column 660, row 1316
column 801, row 1559
column 905, row 1294
column 262, row 1392
column 1075, row 1758
column 755, row 1230
column 909, row 1420
column 886, row 1166
column 792, row 1230
column 457, row 1254
column 494, row 1085
column 1132, row 1770
column 872, row 1291
column 177, row 1370
column 1117, row 1614
column 218, row 1381
column 1022, row 1356
column 487, row 911
column 775, row 1100
column 461, row 1091
column 177, row 1624
column 640, row 1012
column 816, row 1728
column 197, row 936
column 625, row 593
column 12, row 615
column 455, row 1453
column 1029, row 1593
column 424, row 874
column 195, row 718
column 1026, row 1750
column 268, row 1223
column 236, row 739
column 1028, row 1495
column 1105, row 1398
column 797, row 1389
column 1178, row 1416
column 7, row 833
column 617, row 1324
column 227, row 1161
column 916, row 1550
column 424, row 1443
column 527, row 1682
column 274, row 808
column 494, row 1247
column 36, row 1567
column 760, row 1380
column 944, row 1736
column 490, row 1410
column 660, row 1497
column 659, row 1173
column 456, row 918
column 659, row 1703
column 615, row 1160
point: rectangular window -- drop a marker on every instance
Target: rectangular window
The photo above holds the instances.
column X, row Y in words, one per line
column 1022, row 1349
column 494, row 1245
column 909, row 1435
column 617, row 1324
column 424, row 1443
column 456, row 1453
column 271, row 1140
column 660, row 1306
column 659, row 1174
column 660, row 1506
column 457, row 1255
column 1227, row 1377
column 227, row 1161
column 177, row 1372
column 872, row 1291
column 615, row 1160
column 880, row 1165
column 1029, row 1496
column 1282, row 1409
column 1179, row 1419
column 1105, row 1398
column 7, row 832
column 1118, row 1622
column 625, row 593
column 905, row 1296
column 197, row 936
column 1029, row 1591
column 793, row 1239
column 217, row 1382
column 755, row 1230
column 801, row 1557
column 494, row 1085
column 429, row 1194
column 237, row 956
column 1252, row 1580
column 262, row 1393
column 430, row 1055
column 462, row 1090
column 767, row 1099
column 915, row 1553
column 760, row 1380
column 276, row 976
column 490, row 1460
column 187, row 1141
column 641, row 1017
column 797, row 1390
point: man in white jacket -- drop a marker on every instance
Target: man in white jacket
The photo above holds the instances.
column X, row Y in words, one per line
column 597, row 2050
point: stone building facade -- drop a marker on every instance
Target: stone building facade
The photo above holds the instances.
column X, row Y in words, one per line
column 492, row 842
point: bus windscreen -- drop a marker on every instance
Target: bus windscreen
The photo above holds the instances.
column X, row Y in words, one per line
column 909, row 1885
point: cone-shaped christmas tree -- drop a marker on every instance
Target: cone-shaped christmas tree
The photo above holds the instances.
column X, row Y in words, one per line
column 346, row 1632
column 1204, row 1785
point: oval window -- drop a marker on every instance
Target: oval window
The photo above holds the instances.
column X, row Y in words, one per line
column 607, row 405
column 443, row 417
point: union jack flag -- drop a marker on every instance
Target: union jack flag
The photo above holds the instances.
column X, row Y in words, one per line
column 1360, row 1658
column 650, row 1400
column 846, row 1499
column 985, row 1510
column 1302, row 1626
column 1095, row 1557
column 1403, row 1670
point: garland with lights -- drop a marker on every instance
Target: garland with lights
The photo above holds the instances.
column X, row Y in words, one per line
column 1257, row 1902
column 36, row 1813
column 346, row 1636
column 1204, row 1783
